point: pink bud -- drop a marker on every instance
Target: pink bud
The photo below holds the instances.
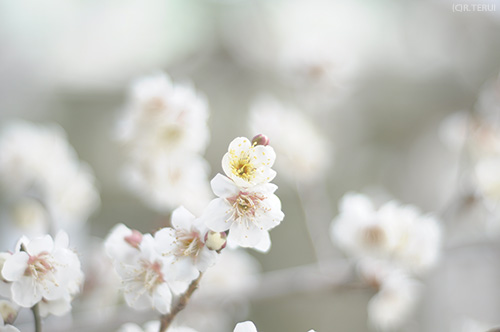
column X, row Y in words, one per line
column 260, row 139
column 134, row 239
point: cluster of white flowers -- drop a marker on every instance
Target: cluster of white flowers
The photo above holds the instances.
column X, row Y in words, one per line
column 246, row 203
column 164, row 129
column 153, row 268
column 44, row 185
column 391, row 244
column 42, row 271
column 303, row 151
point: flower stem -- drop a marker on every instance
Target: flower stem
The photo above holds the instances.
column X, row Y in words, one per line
column 36, row 315
column 167, row 319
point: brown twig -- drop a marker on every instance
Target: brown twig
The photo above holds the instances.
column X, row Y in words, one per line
column 167, row 319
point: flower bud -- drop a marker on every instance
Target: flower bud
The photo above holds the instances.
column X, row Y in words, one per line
column 260, row 139
column 134, row 239
column 8, row 311
column 215, row 240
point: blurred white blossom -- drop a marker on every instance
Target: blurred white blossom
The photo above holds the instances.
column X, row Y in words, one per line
column 45, row 186
column 395, row 233
column 304, row 154
column 164, row 131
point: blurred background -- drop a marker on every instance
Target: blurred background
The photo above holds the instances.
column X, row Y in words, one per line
column 375, row 80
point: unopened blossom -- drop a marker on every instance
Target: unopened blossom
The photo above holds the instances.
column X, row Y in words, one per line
column 47, row 186
column 8, row 312
column 303, row 153
column 153, row 326
column 249, row 164
column 184, row 245
column 45, row 269
column 248, row 213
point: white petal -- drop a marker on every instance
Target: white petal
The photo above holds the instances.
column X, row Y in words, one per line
column 206, row 259
column 165, row 240
column 265, row 244
column 25, row 293
column 182, row 218
column 61, row 239
column 15, row 266
column 223, row 187
column 246, row 236
column 162, row 298
column 39, row 245
column 217, row 215
column 247, row 326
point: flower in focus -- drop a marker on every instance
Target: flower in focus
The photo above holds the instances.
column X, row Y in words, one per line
column 185, row 244
column 248, row 213
column 164, row 129
column 44, row 183
column 248, row 165
column 46, row 271
column 303, row 152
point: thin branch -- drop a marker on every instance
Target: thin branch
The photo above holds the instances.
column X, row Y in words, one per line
column 36, row 316
column 167, row 319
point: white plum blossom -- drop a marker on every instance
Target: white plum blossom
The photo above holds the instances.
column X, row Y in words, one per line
column 164, row 130
column 163, row 117
column 45, row 269
column 242, row 280
column 248, row 213
column 167, row 181
column 394, row 233
column 303, row 152
column 248, row 164
column 145, row 273
column 185, row 243
column 43, row 182
column 396, row 299
column 152, row 326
